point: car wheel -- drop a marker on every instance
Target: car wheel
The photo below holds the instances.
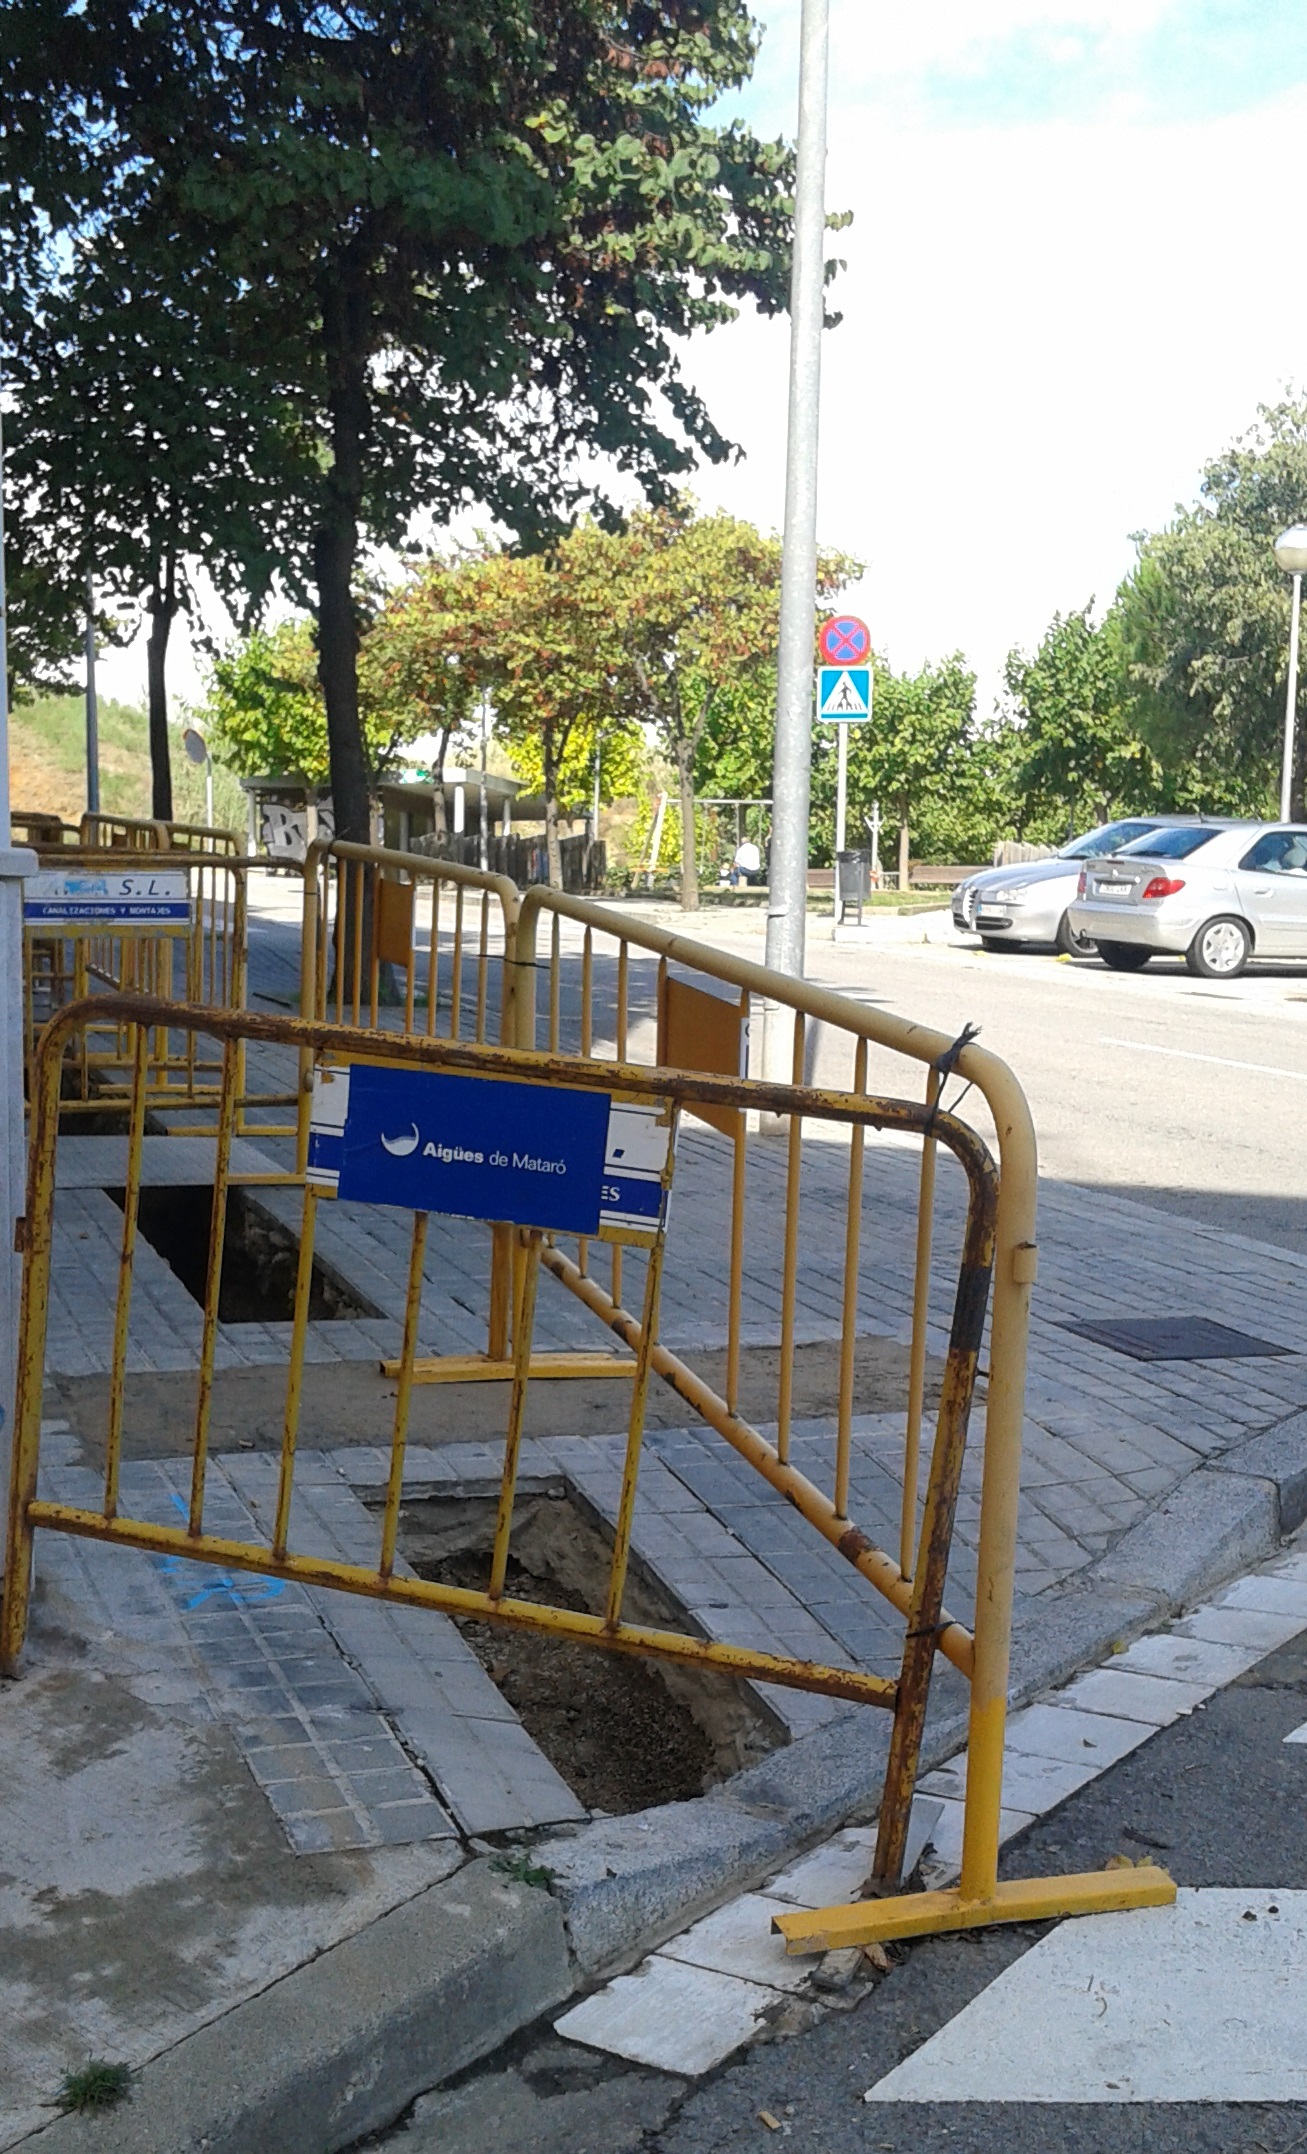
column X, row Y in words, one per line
column 1069, row 943
column 1124, row 956
column 1220, row 950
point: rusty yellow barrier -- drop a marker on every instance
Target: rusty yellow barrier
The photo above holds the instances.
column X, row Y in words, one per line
column 198, row 960
column 564, row 998
column 363, row 962
column 664, row 1095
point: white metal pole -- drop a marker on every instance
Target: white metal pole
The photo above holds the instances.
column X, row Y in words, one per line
column 14, row 865
column 875, row 837
column 788, row 871
column 483, row 847
column 92, row 706
column 841, row 808
column 1291, row 702
column 208, row 790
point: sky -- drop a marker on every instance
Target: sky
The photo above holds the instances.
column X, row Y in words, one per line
column 1072, row 276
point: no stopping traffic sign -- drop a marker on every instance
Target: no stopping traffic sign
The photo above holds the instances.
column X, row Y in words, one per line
column 844, row 640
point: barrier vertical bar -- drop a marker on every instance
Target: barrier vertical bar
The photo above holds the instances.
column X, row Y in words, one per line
column 634, row 1438
column 849, row 1322
column 403, row 1394
column 523, row 1327
column 790, row 1260
column 295, row 1373
column 213, row 1284
column 917, row 1356
column 122, row 1306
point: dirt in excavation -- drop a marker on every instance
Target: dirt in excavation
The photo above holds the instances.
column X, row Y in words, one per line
column 607, row 1723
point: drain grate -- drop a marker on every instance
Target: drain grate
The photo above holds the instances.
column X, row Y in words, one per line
column 1175, row 1338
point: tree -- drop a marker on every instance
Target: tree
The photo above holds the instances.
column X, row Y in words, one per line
column 470, row 236
column 544, row 635
column 414, row 663
column 142, row 442
column 1079, row 754
column 918, row 755
column 265, row 714
column 699, row 602
column 1205, row 623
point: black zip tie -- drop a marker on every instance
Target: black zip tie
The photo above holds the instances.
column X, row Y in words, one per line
column 944, row 1066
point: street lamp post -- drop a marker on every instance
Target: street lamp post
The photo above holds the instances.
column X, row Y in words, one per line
column 788, row 869
column 1291, row 554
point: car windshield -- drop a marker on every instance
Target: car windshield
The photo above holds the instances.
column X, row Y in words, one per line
column 1108, row 840
column 1171, row 844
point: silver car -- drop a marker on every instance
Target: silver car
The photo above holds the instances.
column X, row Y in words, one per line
column 1218, row 894
column 1028, row 903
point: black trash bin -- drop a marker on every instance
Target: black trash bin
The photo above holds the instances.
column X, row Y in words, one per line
column 852, row 882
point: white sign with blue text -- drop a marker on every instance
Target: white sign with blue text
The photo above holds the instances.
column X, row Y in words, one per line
column 533, row 1155
column 130, row 898
column 844, row 694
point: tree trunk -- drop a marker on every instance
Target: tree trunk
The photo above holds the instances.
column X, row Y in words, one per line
column 905, row 851
column 689, row 841
column 162, row 610
column 335, row 544
column 553, row 848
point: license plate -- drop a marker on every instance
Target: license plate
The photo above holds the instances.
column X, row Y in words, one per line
column 1114, row 889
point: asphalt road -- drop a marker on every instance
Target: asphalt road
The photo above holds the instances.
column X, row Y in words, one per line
column 1184, row 1094
column 1218, row 1799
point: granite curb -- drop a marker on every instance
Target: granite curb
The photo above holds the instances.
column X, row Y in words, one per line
column 340, row 2047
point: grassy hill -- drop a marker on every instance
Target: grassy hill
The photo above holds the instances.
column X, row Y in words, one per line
column 47, row 764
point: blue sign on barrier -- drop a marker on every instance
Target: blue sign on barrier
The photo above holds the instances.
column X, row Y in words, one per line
column 480, row 1147
column 533, row 1155
column 129, row 898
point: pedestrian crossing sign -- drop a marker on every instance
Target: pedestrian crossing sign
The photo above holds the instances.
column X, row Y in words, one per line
column 844, row 694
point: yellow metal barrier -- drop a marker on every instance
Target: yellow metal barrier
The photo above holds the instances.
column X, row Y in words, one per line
column 566, row 996
column 661, row 1095
column 366, row 913
column 199, row 958
column 151, row 834
column 39, row 829
column 99, row 833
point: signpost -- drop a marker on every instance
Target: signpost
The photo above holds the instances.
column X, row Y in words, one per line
column 844, row 694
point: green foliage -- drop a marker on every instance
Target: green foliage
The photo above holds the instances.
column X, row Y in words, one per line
column 699, row 603
column 920, row 755
column 519, row 1866
column 1205, row 623
column 264, row 713
column 96, row 2087
column 1078, row 757
column 458, row 243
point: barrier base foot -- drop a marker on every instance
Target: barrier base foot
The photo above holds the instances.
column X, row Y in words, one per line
column 480, row 1369
column 923, row 1914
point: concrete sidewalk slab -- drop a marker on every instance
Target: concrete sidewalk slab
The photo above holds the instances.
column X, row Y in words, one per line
column 343, row 2045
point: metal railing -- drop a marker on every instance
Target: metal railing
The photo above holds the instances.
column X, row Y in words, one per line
column 567, row 994
column 918, row 1598
column 198, row 959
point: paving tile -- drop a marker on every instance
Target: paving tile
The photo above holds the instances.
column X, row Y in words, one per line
column 738, row 1940
column 1268, row 1595
column 672, row 2017
column 1062, row 1731
column 1153, row 1699
column 1254, row 1628
column 1189, row 1660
